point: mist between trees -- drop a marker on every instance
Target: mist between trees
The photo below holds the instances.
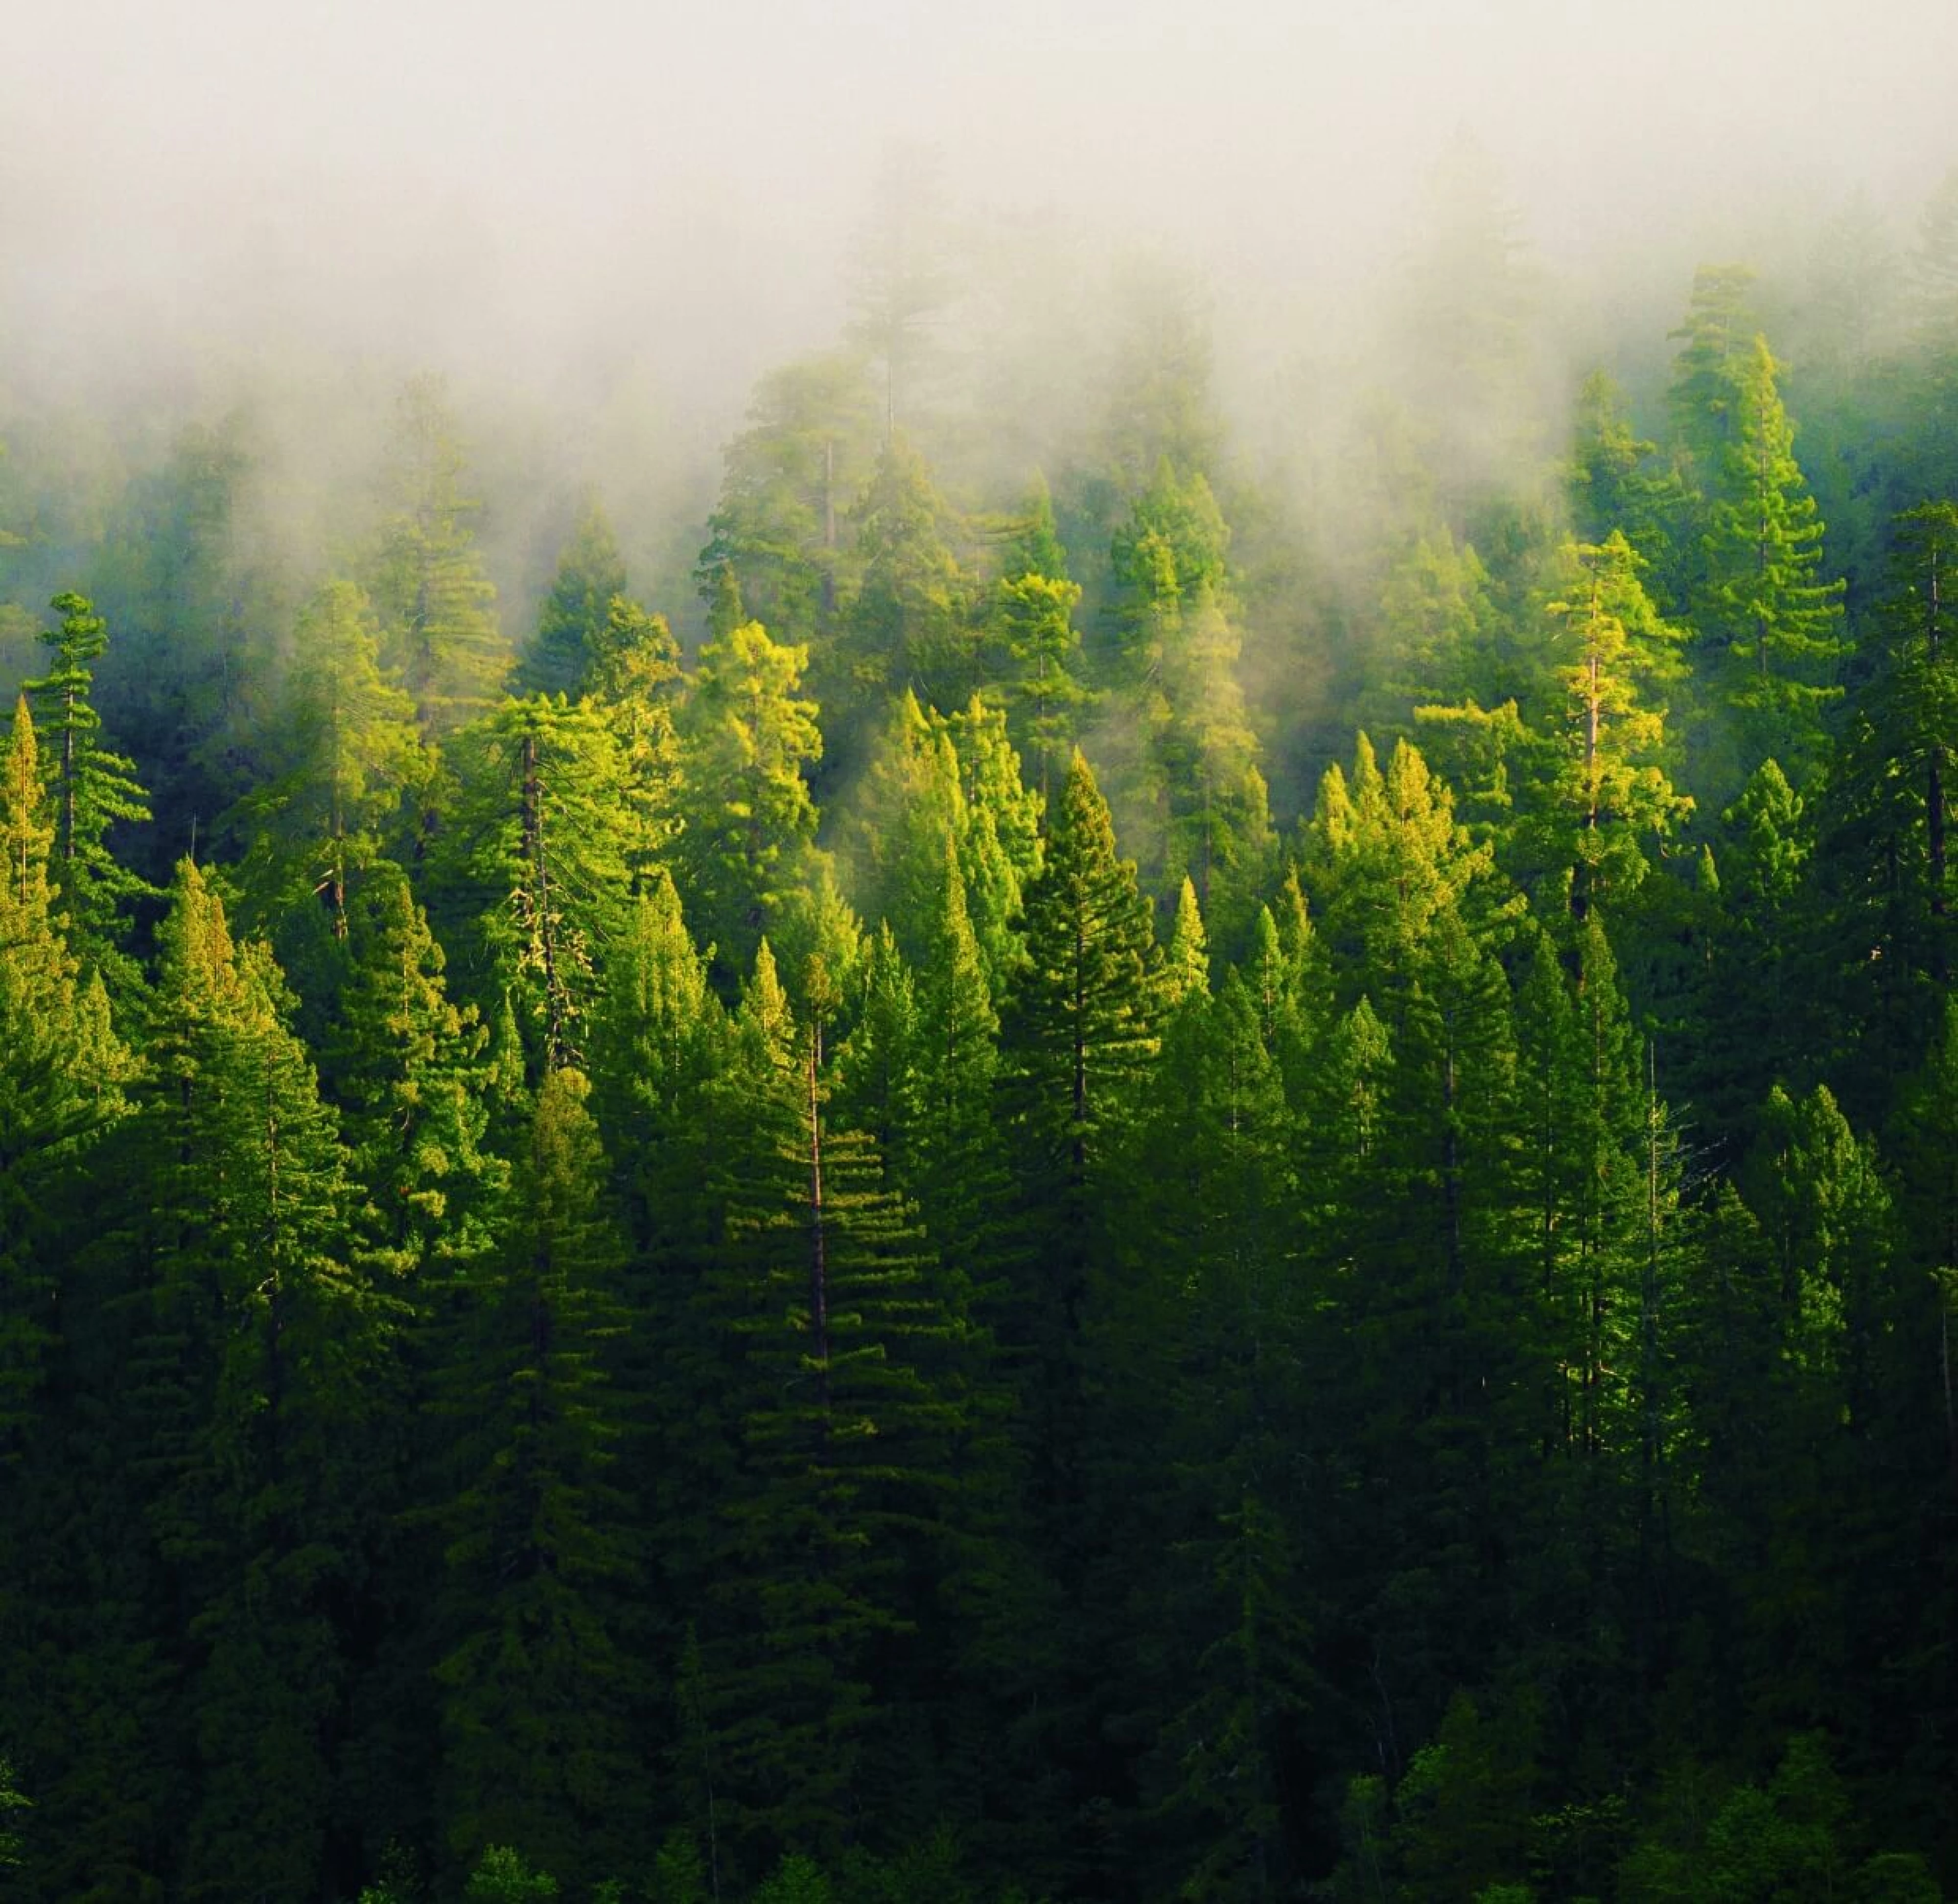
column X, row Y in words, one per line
column 1105, row 1114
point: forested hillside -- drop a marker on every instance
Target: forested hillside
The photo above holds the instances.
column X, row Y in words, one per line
column 1173, row 1149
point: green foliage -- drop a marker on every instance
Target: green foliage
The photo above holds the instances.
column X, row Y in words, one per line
column 344, row 754
column 424, row 575
column 811, row 440
column 746, row 737
column 535, row 1685
column 1611, row 789
column 1764, row 593
column 909, row 624
column 533, row 862
column 502, row 1877
column 1419, row 1373
column 574, row 625
column 92, row 789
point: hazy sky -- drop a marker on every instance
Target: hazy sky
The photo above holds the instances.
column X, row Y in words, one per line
column 427, row 168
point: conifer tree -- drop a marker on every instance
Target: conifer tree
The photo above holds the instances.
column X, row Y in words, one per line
column 1885, row 810
column 1080, row 1023
column 257, row 1380
column 910, row 625
column 1614, row 489
column 1383, row 856
column 93, row 790
column 877, row 1065
column 1034, row 606
column 404, row 1062
column 845, row 1350
column 537, row 1690
column 1763, row 592
column 61, row 1071
column 811, row 440
column 1714, row 340
column 1613, row 797
column 346, row 751
column 959, row 1184
column 532, row 864
column 1078, row 1034
column 1190, row 780
column 426, row 578
column 572, row 626
column 750, row 817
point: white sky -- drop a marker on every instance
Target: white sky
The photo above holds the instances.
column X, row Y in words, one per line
column 697, row 168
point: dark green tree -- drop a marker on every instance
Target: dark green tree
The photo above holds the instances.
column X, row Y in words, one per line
column 94, row 789
column 572, row 624
column 536, row 1687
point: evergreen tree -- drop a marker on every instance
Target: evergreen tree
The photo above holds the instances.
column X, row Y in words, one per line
column 1079, row 1033
column 1884, row 810
column 531, row 864
column 1613, row 488
column 1197, row 801
column 537, row 1689
column 1079, row 1024
column 426, row 578
column 404, row 1063
column 844, row 1349
column 1764, row 593
column 93, row 790
column 811, row 440
column 258, row 1380
column 61, row 1068
column 750, row 817
column 1714, row 341
column 572, row 624
column 345, row 751
column 909, row 625
column 959, row 1183
column 1611, row 791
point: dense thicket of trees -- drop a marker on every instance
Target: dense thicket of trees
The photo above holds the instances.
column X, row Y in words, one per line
column 837, row 1260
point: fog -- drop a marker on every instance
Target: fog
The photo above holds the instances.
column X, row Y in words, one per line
column 443, row 178
column 630, row 212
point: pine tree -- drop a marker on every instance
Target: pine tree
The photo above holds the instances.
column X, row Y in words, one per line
column 537, row 1689
column 1033, row 606
column 1079, row 1024
column 345, row 753
column 1613, row 488
column 1713, row 342
column 959, row 1183
column 94, row 790
column 1383, row 856
column 813, row 436
column 404, row 1063
column 750, row 817
column 909, row 625
column 572, row 624
column 846, row 1351
column 1883, row 813
column 1189, row 783
column 531, row 862
column 62, row 1070
column 1078, row 1035
column 426, row 578
column 1612, row 794
column 1763, row 594
column 257, row 1380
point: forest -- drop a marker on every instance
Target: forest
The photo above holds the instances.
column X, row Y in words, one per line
column 1106, row 1145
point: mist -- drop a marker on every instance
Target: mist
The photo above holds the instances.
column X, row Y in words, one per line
column 542, row 192
column 604, row 223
